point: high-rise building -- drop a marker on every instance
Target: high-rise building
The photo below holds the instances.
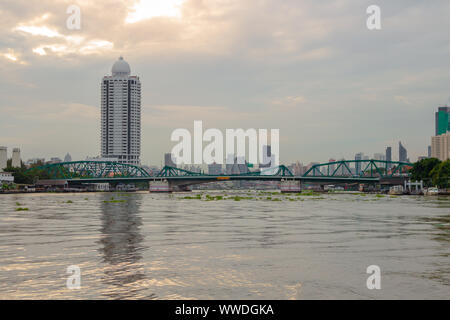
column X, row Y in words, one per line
column 402, row 153
column 429, row 151
column 440, row 146
column 169, row 160
column 15, row 162
column 121, row 115
column 442, row 120
column 3, row 157
column 388, row 153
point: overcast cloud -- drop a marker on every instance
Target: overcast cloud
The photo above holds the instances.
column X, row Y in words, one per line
column 310, row 68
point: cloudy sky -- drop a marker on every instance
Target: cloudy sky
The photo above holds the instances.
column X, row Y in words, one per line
column 310, row 68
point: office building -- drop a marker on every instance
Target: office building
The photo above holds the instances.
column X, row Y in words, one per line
column 169, row 160
column 402, row 153
column 442, row 120
column 440, row 146
column 121, row 115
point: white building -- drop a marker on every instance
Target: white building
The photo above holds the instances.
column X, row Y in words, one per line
column 121, row 115
column 15, row 162
column 440, row 146
column 3, row 157
column 6, row 177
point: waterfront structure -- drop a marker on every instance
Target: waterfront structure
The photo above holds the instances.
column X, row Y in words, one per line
column 3, row 157
column 6, row 177
column 442, row 120
column 121, row 115
column 440, row 146
column 67, row 157
column 168, row 160
column 15, row 161
column 402, row 153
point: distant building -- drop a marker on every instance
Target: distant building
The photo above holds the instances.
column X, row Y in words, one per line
column 442, row 120
column 35, row 161
column 402, row 153
column 379, row 156
column 101, row 159
column 169, row 160
column 15, row 162
column 67, row 158
column 267, row 157
column 358, row 156
column 215, row 168
column 429, row 151
column 121, row 115
column 440, row 146
column 55, row 160
column 3, row 157
column 332, row 166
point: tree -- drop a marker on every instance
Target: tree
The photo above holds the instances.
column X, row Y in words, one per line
column 421, row 170
column 441, row 174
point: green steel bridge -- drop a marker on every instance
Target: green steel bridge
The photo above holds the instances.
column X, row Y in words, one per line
column 367, row 171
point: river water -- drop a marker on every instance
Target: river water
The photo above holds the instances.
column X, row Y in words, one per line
column 160, row 246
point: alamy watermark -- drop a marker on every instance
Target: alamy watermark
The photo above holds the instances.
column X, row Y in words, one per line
column 236, row 141
column 73, row 22
column 374, row 20
column 374, row 280
column 74, row 280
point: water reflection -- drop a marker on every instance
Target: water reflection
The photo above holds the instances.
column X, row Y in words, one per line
column 122, row 245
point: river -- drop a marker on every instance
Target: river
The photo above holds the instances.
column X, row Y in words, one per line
column 226, row 245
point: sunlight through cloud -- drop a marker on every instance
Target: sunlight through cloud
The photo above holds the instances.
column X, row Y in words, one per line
column 147, row 9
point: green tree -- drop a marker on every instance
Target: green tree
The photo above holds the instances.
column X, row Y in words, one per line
column 440, row 175
column 422, row 170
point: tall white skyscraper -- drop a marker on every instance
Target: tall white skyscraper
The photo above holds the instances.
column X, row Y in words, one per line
column 121, row 115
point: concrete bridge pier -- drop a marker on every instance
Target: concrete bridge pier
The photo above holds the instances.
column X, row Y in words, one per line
column 290, row 185
column 160, row 185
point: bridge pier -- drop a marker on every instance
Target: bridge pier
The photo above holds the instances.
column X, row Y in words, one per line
column 290, row 185
column 159, row 185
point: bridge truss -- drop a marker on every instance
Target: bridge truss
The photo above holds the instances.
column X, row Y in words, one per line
column 92, row 170
column 359, row 168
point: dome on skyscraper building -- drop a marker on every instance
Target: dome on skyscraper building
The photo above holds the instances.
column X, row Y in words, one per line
column 120, row 68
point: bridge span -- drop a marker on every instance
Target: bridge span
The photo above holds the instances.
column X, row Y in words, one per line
column 170, row 178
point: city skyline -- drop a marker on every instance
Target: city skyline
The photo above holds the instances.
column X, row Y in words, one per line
column 296, row 74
